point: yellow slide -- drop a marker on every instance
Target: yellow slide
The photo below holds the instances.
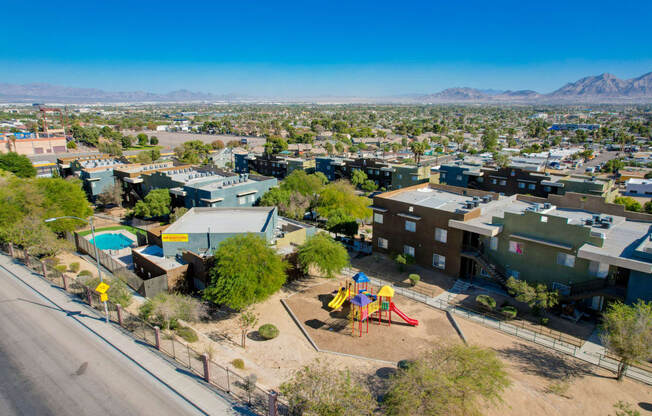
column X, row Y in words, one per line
column 339, row 299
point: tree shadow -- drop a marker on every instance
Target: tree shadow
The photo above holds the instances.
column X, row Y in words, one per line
column 315, row 323
column 645, row 406
column 255, row 336
column 543, row 363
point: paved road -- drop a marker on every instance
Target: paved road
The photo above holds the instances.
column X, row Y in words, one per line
column 601, row 158
column 52, row 365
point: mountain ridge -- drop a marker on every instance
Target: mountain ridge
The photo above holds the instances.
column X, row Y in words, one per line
column 605, row 88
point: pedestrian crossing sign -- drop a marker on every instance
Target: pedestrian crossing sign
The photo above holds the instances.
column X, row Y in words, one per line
column 102, row 288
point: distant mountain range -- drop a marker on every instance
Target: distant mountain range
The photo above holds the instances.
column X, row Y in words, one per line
column 604, row 88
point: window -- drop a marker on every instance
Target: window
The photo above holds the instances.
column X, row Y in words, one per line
column 410, row 226
column 521, row 185
column 440, row 235
column 480, row 179
column 443, row 175
column 438, row 261
column 458, row 177
column 516, row 247
column 532, row 186
column 252, row 198
column 242, row 200
column 544, row 218
column 566, row 259
column 387, row 173
column 382, row 242
column 378, row 218
column 515, row 274
column 493, row 181
column 598, row 269
column 493, row 243
column 409, row 250
column 546, row 188
column 513, row 173
column 503, row 183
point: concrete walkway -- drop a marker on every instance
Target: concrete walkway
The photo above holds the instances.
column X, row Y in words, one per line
column 190, row 388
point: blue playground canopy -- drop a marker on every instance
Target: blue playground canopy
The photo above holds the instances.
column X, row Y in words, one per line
column 360, row 300
column 360, row 277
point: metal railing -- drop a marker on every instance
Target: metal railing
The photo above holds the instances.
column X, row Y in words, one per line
column 198, row 363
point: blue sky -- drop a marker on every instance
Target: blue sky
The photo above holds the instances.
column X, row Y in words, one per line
column 322, row 47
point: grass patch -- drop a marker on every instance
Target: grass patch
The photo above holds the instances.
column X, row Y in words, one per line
column 129, row 228
column 146, row 147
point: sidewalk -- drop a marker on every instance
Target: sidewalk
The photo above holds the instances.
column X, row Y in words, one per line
column 190, row 388
column 591, row 352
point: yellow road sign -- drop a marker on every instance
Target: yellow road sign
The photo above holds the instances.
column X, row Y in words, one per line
column 102, row 287
column 104, row 297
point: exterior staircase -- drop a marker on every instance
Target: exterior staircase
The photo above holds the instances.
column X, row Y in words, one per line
column 497, row 273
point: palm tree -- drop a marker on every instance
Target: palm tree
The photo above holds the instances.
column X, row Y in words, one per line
column 418, row 149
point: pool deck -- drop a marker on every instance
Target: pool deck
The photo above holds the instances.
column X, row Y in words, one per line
column 123, row 255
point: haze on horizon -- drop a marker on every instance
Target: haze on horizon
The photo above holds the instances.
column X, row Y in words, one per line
column 358, row 48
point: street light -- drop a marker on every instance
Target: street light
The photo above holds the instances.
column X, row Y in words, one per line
column 97, row 257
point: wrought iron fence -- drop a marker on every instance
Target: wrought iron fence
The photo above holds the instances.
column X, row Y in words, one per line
column 240, row 387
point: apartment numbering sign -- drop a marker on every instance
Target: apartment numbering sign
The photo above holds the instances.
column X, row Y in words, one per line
column 175, row 238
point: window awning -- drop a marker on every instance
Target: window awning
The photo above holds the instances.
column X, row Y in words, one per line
column 542, row 241
column 212, row 201
column 247, row 193
column 379, row 209
column 409, row 216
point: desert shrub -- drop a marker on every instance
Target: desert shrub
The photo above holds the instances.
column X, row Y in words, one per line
column 85, row 273
column 405, row 364
column 509, row 312
column 486, row 301
column 74, row 267
column 167, row 309
column 414, row 279
column 238, row 363
column 187, row 334
column 61, row 268
column 51, row 261
column 544, row 321
column 268, row 331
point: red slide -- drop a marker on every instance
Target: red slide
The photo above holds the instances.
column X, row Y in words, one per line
column 410, row 321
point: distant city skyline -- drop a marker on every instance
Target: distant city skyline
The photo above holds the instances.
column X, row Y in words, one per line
column 336, row 48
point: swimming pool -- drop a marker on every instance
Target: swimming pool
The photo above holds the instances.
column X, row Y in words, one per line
column 112, row 241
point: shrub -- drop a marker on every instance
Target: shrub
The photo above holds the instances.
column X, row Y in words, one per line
column 187, row 334
column 238, row 363
column 559, row 388
column 405, row 364
column 544, row 321
column 414, row 279
column 509, row 312
column 486, row 301
column 74, row 267
column 117, row 293
column 61, row 268
column 268, row 331
column 51, row 261
column 85, row 273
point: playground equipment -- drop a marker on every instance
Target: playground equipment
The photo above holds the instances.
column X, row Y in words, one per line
column 338, row 300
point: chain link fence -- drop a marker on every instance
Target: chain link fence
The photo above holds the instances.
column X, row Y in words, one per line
column 241, row 388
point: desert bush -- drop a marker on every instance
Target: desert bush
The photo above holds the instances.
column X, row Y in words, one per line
column 559, row 388
column 544, row 321
column 74, row 267
column 238, row 363
column 118, row 291
column 414, row 279
column 84, row 273
column 268, row 331
column 61, row 268
column 188, row 334
column 486, row 301
column 509, row 312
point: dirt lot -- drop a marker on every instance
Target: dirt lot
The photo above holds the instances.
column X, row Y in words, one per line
column 169, row 140
column 331, row 330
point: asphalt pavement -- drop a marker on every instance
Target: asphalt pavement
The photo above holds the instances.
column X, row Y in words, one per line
column 52, row 361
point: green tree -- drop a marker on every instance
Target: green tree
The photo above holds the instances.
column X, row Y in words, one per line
column 501, row 160
column 448, row 380
column 246, row 270
column 155, row 204
column 626, row 331
column 630, row 203
column 324, row 253
column 358, row 177
column 217, row 144
column 418, row 149
column 537, row 296
column 369, row 186
column 320, row 389
column 613, row 166
column 142, row 139
column 17, row 164
column 111, row 195
column 339, row 198
column 126, row 142
column 246, row 321
column 275, row 145
column 489, row 140
column 177, row 213
column 153, row 140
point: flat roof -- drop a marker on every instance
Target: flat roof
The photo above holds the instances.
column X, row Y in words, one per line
column 155, row 255
column 222, row 220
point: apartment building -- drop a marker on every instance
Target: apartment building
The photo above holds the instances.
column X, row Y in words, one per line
column 271, row 165
column 30, row 144
column 386, row 175
column 586, row 248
